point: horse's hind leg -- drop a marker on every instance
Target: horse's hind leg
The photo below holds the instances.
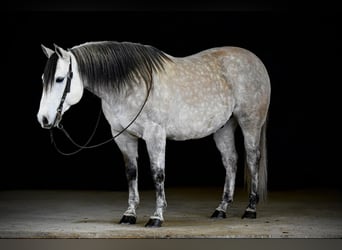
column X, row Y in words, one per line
column 251, row 130
column 224, row 139
column 129, row 148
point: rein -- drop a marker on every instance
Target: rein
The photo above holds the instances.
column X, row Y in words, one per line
column 58, row 119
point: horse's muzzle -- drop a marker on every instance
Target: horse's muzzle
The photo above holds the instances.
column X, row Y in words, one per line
column 46, row 124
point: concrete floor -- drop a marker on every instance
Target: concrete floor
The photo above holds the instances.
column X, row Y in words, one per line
column 94, row 214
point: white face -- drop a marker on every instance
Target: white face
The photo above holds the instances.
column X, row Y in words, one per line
column 51, row 97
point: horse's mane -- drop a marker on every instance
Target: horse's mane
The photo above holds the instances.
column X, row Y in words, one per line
column 111, row 65
column 115, row 65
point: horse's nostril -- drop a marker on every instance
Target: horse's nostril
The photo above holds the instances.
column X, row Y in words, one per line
column 45, row 121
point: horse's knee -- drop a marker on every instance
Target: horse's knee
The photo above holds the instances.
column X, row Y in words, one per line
column 158, row 175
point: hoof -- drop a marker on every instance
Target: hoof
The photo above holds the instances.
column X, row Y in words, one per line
column 154, row 223
column 218, row 215
column 249, row 215
column 128, row 220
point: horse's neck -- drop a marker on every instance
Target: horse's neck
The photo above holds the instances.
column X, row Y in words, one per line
column 110, row 97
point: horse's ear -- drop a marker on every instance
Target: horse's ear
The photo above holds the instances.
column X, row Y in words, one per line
column 61, row 52
column 48, row 52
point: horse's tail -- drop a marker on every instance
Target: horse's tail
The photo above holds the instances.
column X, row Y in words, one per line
column 262, row 190
column 262, row 183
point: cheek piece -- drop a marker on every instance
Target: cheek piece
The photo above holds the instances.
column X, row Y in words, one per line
column 65, row 92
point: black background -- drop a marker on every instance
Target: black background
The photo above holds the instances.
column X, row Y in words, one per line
column 299, row 46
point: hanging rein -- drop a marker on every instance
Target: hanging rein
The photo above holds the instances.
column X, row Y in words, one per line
column 58, row 119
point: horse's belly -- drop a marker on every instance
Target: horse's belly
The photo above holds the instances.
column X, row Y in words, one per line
column 196, row 112
column 196, row 122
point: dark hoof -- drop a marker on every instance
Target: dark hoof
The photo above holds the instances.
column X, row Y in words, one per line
column 128, row 220
column 249, row 215
column 218, row 215
column 154, row 223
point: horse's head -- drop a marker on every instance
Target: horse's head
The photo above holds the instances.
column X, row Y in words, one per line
column 57, row 96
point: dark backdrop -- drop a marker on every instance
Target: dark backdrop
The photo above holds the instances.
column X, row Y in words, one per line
column 299, row 47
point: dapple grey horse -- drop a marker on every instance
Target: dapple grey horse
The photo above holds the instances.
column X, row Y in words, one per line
column 164, row 97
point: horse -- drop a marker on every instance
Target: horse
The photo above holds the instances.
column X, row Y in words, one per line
column 146, row 93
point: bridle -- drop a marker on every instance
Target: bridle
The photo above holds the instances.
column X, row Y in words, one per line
column 65, row 92
column 57, row 121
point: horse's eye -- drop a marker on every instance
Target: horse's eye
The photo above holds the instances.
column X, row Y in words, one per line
column 59, row 79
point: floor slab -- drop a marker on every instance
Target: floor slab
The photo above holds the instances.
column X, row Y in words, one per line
column 95, row 214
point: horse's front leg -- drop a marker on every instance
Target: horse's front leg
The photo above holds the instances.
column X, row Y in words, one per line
column 155, row 138
column 129, row 148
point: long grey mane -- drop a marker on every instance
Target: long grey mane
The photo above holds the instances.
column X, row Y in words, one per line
column 115, row 66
